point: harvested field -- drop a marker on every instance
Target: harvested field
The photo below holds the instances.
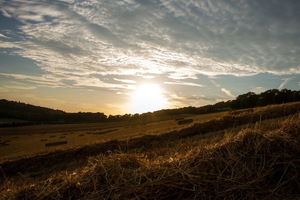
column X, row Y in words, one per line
column 29, row 138
column 247, row 156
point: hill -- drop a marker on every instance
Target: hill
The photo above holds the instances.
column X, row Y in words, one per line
column 36, row 114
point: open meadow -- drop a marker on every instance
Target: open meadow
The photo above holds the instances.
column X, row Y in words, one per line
column 249, row 154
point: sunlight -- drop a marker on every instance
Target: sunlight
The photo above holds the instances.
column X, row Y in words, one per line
column 147, row 98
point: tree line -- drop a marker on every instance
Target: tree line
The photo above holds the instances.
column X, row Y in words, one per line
column 37, row 114
column 274, row 96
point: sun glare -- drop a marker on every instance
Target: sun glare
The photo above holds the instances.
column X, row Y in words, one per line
column 147, row 98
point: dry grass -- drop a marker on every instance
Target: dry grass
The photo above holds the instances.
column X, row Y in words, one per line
column 233, row 157
column 28, row 142
column 250, row 165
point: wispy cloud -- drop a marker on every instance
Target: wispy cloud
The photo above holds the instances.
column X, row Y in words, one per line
column 19, row 87
column 125, row 81
column 3, row 36
column 224, row 90
column 215, row 83
column 284, row 83
column 259, row 90
column 228, row 93
column 184, row 83
column 179, row 100
column 43, row 81
column 66, row 81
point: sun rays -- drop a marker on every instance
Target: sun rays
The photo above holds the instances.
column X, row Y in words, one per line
column 147, row 98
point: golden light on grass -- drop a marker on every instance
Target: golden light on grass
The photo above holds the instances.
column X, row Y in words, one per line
column 147, row 98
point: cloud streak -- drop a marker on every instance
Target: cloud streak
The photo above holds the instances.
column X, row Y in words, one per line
column 284, row 83
column 184, row 83
column 228, row 93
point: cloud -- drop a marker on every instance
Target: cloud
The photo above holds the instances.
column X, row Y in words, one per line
column 125, row 81
column 184, row 83
column 228, row 93
column 179, row 100
column 4, row 13
column 224, row 90
column 259, row 90
column 3, row 36
column 215, row 83
column 14, row 87
column 174, row 38
column 63, row 81
column 43, row 81
column 285, row 82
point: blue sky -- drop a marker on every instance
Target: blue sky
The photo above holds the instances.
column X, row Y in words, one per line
column 93, row 55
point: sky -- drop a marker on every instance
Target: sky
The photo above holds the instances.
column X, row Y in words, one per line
column 134, row 56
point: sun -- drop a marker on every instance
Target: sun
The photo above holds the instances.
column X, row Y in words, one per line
column 147, row 98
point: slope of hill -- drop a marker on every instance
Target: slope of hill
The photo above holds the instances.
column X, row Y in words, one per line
column 245, row 156
column 36, row 114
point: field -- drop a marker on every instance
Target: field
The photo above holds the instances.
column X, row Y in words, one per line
column 30, row 140
column 251, row 154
